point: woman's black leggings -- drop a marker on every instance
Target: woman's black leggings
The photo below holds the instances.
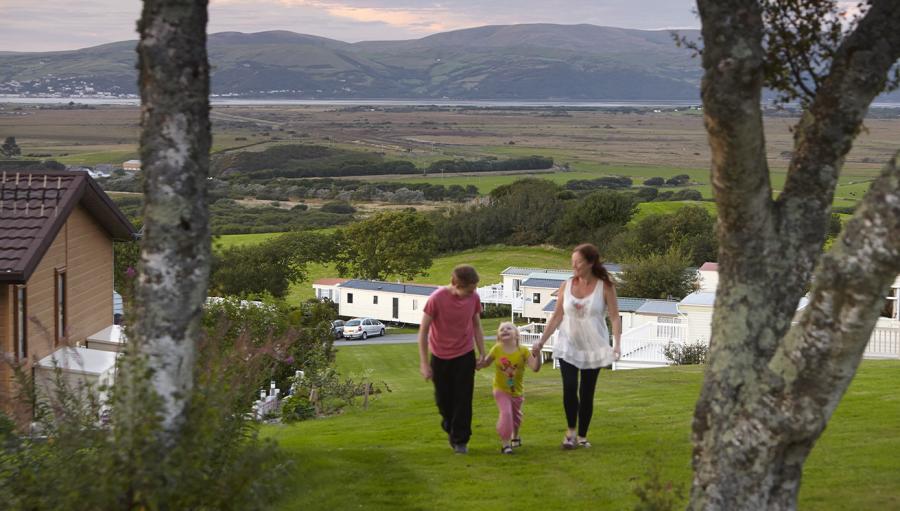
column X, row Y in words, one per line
column 578, row 402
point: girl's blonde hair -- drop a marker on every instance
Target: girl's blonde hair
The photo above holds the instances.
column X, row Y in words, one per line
column 513, row 325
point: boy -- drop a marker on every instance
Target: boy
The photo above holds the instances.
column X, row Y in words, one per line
column 451, row 319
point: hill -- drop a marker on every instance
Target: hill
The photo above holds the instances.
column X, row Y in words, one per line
column 509, row 62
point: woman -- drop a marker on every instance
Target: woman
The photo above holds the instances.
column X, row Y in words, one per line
column 582, row 346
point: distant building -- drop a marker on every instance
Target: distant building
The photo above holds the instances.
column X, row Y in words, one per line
column 327, row 289
column 132, row 165
column 386, row 301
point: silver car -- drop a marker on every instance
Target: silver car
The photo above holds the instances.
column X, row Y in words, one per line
column 362, row 328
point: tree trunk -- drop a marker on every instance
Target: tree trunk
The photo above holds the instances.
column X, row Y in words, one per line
column 175, row 141
column 770, row 387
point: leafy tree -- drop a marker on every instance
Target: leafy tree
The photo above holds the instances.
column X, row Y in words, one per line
column 655, row 181
column 690, row 230
column 772, row 385
column 390, row 243
column 269, row 268
column 530, row 208
column 661, row 276
column 596, row 218
column 9, row 148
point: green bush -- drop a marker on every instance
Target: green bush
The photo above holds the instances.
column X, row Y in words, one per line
column 213, row 460
column 297, row 408
column 496, row 310
column 686, row 354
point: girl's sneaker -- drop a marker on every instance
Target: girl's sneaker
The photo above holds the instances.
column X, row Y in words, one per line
column 515, row 442
column 506, row 449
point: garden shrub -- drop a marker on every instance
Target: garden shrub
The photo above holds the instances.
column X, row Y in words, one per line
column 83, row 454
column 686, row 354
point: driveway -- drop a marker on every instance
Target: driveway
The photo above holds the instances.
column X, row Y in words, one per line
column 390, row 339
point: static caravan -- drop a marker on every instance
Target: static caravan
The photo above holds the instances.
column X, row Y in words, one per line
column 385, row 301
column 627, row 309
column 657, row 311
column 327, row 289
column 538, row 290
column 697, row 307
column 514, row 276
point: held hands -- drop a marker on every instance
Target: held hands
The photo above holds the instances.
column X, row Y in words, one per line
column 536, row 348
column 482, row 362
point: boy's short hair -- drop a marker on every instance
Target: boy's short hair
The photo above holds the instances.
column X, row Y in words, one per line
column 465, row 275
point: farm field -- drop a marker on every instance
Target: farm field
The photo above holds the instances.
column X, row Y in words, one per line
column 594, row 143
column 397, row 458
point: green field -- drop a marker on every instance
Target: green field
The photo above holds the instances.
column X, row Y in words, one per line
column 646, row 209
column 394, row 456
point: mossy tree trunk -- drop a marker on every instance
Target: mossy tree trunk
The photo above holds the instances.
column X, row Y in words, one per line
column 770, row 386
column 175, row 142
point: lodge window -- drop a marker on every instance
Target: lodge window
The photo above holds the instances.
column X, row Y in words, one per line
column 20, row 308
column 349, row 297
column 60, row 305
column 375, row 300
column 536, row 298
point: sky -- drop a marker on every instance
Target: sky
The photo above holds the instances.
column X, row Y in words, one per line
column 49, row 25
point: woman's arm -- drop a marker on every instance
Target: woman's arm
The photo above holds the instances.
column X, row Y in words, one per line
column 612, row 307
column 554, row 322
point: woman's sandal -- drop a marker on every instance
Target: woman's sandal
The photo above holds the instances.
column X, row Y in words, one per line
column 515, row 442
column 569, row 443
column 506, row 449
column 584, row 443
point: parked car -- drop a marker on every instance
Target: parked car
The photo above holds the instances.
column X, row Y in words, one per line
column 362, row 328
column 337, row 328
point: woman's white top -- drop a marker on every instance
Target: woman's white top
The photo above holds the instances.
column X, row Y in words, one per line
column 583, row 339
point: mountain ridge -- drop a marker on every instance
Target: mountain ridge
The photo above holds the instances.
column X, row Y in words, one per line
column 495, row 62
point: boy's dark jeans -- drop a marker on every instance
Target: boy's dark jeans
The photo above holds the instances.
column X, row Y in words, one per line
column 454, row 384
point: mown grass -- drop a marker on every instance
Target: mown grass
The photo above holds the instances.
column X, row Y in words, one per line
column 394, row 455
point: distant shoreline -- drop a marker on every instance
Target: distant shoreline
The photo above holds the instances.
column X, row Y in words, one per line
column 487, row 103
column 36, row 100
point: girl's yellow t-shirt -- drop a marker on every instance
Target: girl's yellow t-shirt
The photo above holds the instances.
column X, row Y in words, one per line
column 509, row 369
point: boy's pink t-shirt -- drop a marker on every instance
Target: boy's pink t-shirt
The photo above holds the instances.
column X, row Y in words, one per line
column 452, row 332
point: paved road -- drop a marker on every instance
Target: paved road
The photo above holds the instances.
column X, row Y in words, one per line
column 389, row 339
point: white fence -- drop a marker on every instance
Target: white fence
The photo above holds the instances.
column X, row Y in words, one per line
column 884, row 343
column 644, row 345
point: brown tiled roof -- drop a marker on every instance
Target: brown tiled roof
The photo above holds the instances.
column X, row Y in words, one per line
column 34, row 205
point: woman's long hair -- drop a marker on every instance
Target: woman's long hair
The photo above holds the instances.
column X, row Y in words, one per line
column 592, row 256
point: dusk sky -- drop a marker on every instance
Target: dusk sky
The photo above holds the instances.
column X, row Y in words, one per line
column 45, row 25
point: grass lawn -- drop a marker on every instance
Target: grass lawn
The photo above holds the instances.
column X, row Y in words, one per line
column 394, row 455
column 645, row 209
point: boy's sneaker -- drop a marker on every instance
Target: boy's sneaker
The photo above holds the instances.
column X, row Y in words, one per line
column 460, row 449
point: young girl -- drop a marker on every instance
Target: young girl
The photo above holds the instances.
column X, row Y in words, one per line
column 509, row 361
